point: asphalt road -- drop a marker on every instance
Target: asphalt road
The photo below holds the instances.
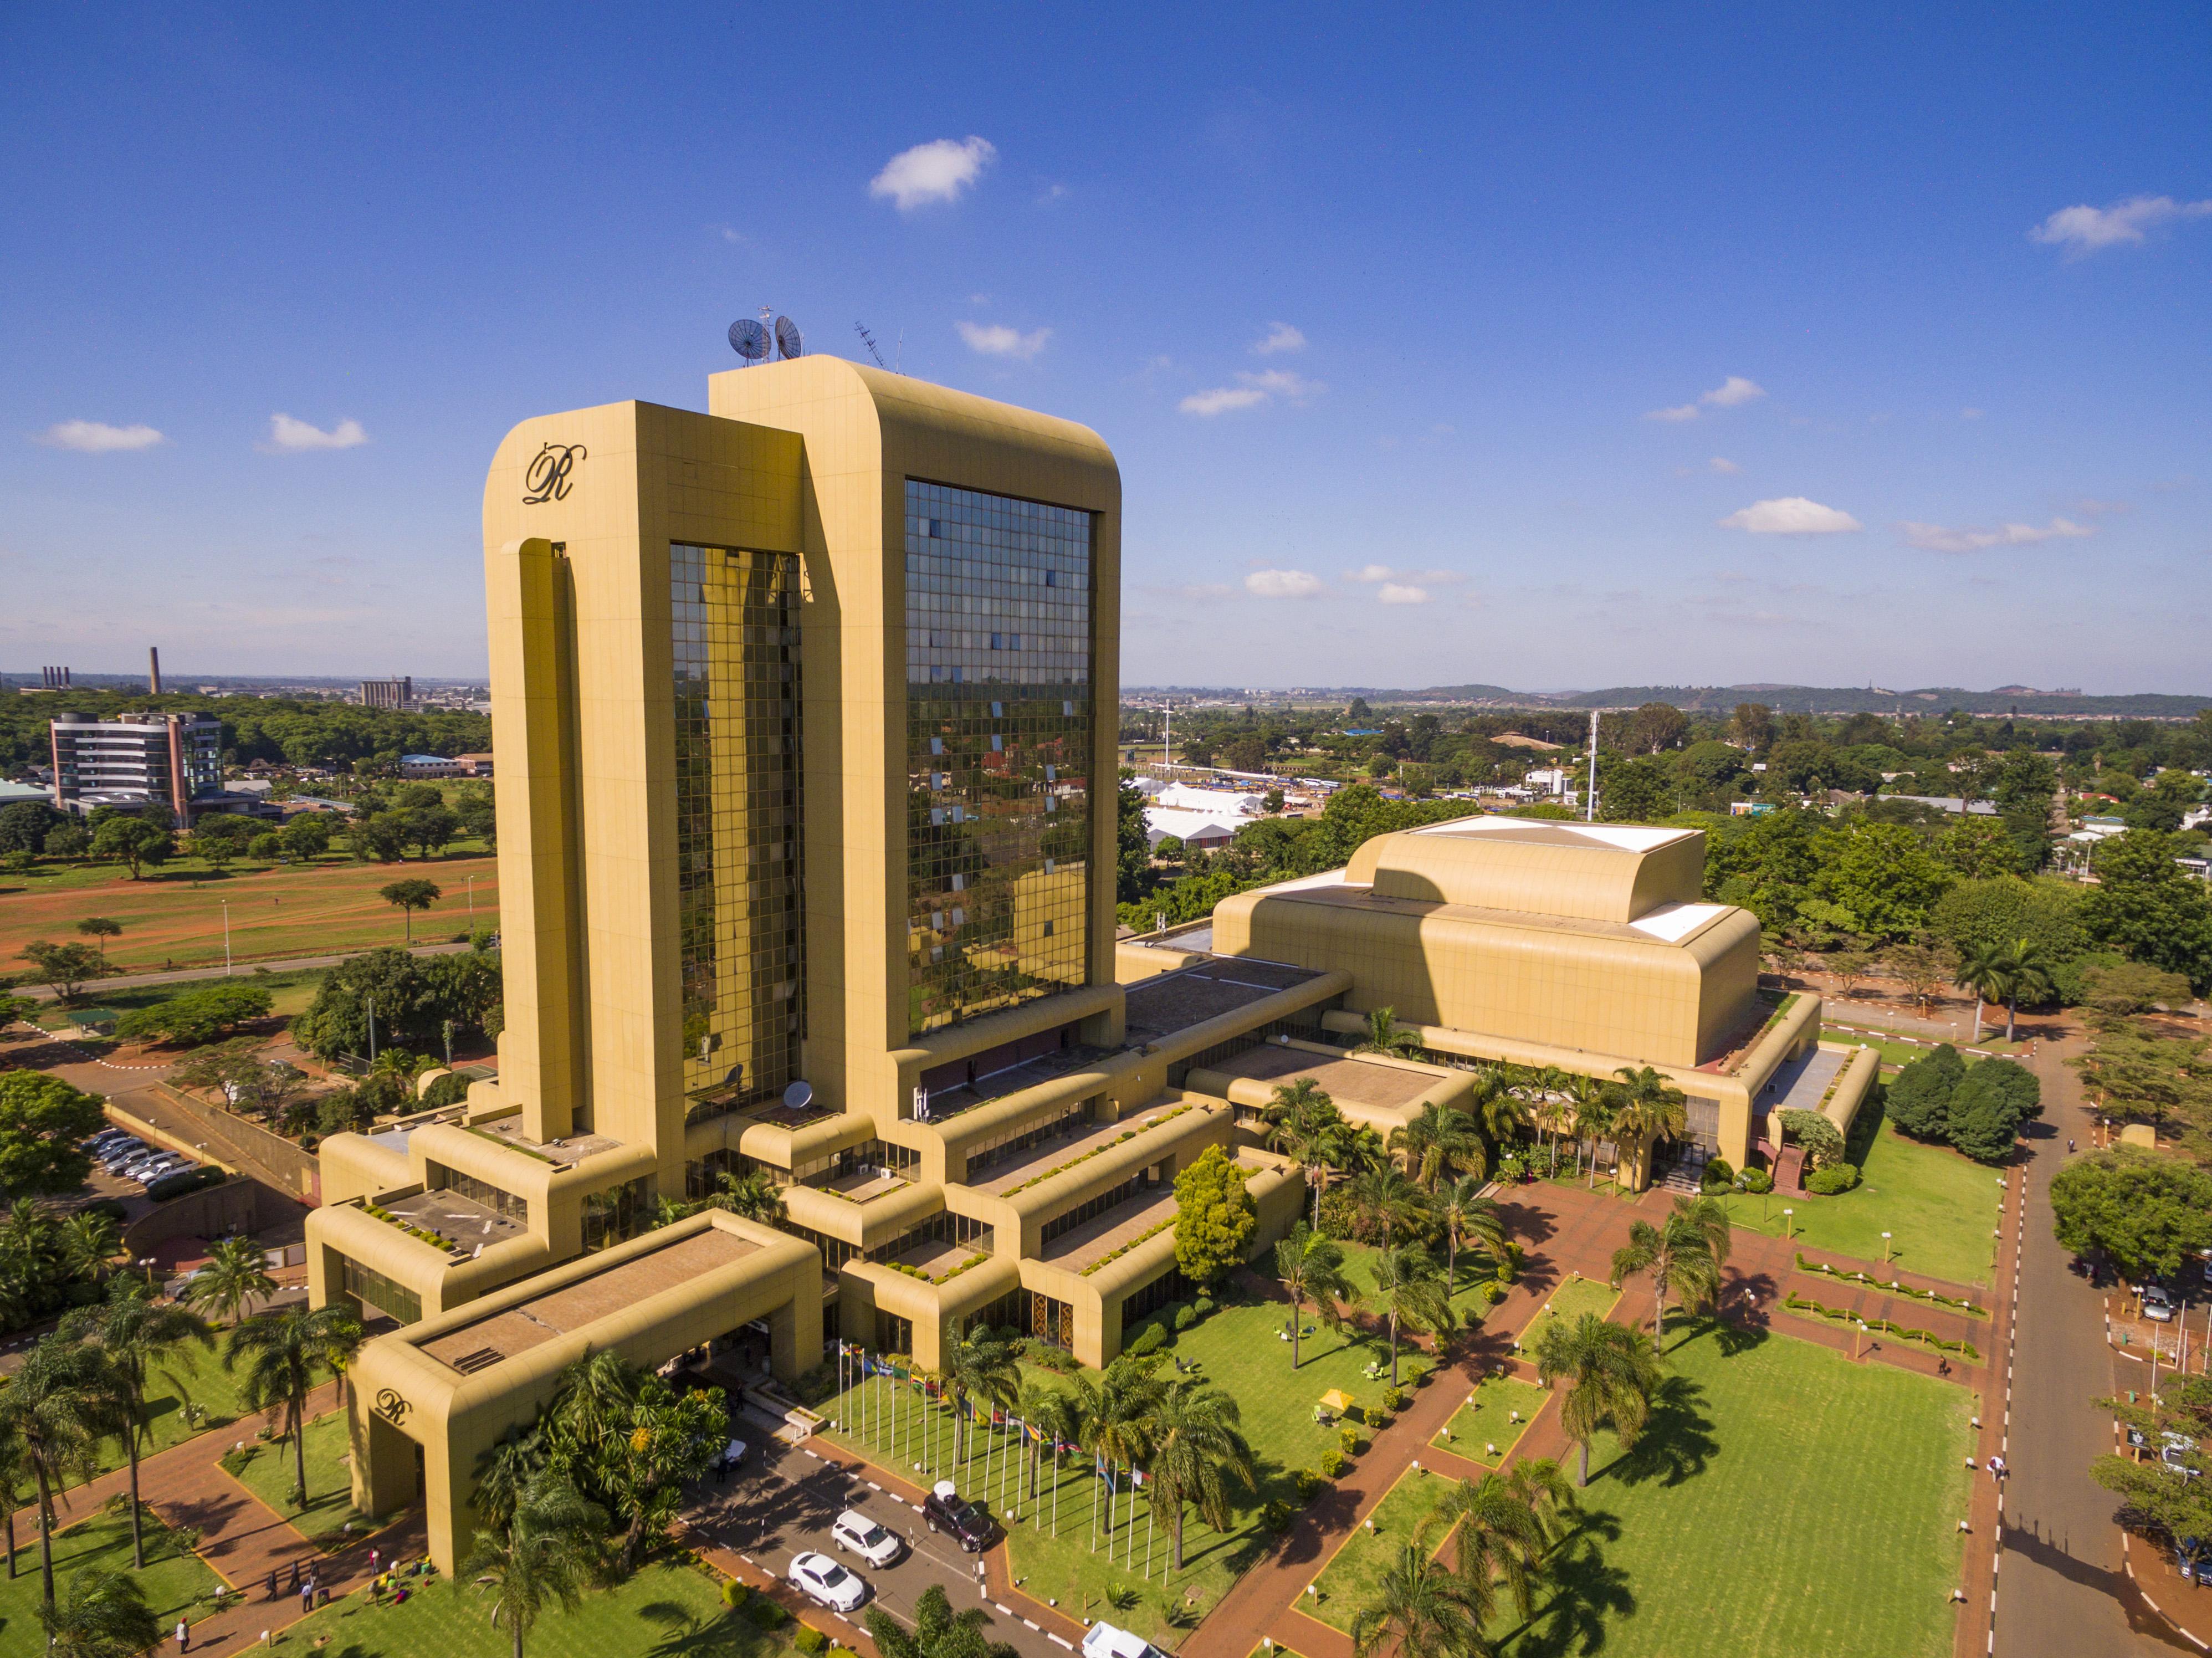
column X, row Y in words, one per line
column 782, row 1503
column 2061, row 1592
column 243, row 969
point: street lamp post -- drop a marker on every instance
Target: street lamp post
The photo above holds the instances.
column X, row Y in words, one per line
column 1787, row 1229
column 1885, row 1249
column 1858, row 1336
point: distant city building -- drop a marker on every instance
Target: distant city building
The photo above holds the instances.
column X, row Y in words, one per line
column 388, row 692
column 138, row 760
column 1548, row 780
column 474, row 765
column 432, row 765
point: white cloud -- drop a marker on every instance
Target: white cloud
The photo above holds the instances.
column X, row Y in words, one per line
column 1790, row 515
column 1281, row 337
column 1251, row 390
column 287, row 436
column 1732, row 391
column 1727, row 395
column 1392, row 593
column 2083, row 230
column 92, row 437
column 1935, row 538
column 1723, row 465
column 935, row 172
column 1282, row 583
column 997, row 340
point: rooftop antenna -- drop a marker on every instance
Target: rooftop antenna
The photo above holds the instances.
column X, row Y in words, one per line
column 869, row 340
column 750, row 340
column 788, row 343
column 1590, row 806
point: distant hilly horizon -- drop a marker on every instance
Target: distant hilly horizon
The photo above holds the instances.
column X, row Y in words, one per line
column 1720, row 699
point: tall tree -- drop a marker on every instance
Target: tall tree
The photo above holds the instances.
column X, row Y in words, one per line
column 1384, row 1034
column 937, row 1632
column 236, row 1274
column 545, row 1557
column 1611, row 1372
column 1384, row 1198
column 103, row 927
column 135, row 1331
column 408, row 896
column 1982, row 970
column 1410, row 1291
column 1468, row 1216
column 1651, row 1108
column 1501, row 1525
column 1439, row 1140
column 42, row 1120
column 1419, row 1607
column 102, row 1614
column 57, row 1409
column 1200, row 1457
column 1117, row 1410
column 286, row 1355
column 1682, row 1256
column 1311, row 1267
column 980, row 1374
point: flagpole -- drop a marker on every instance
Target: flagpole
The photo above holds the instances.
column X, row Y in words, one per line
column 1151, row 1503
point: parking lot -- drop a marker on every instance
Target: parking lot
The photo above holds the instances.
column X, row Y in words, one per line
column 782, row 1501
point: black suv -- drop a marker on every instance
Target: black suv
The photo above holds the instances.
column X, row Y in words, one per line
column 946, row 1511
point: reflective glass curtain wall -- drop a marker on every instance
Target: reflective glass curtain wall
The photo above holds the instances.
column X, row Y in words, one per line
column 999, row 691
column 734, row 627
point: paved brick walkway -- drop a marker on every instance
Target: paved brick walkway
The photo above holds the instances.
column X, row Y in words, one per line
column 242, row 1539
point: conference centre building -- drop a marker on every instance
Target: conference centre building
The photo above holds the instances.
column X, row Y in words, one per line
column 806, row 712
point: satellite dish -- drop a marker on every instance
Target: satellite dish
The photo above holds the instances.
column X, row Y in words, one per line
column 799, row 1097
column 749, row 339
column 787, row 341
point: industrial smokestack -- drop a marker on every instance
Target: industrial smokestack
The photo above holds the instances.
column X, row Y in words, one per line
column 154, row 670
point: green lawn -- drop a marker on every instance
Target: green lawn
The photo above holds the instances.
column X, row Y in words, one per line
column 1487, row 1419
column 1940, row 1209
column 1474, row 1271
column 1571, row 1301
column 1348, row 1581
column 1894, row 1053
column 198, row 1376
column 173, row 1582
column 268, row 1473
column 664, row 1611
column 1820, row 1500
column 289, row 993
column 1083, row 1568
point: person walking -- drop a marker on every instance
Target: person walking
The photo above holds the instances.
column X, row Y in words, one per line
column 375, row 1561
column 1997, row 1468
column 183, row 1635
column 295, row 1577
column 272, row 1582
column 307, row 1596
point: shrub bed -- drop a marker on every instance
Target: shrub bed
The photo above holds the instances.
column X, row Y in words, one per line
column 1964, row 1304
column 1811, row 1309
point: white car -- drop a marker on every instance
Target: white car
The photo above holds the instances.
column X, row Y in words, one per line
column 150, row 1169
column 2157, row 1305
column 826, row 1583
column 1104, row 1640
column 877, row 1545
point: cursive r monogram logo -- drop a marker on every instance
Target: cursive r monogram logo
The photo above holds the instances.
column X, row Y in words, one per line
column 391, row 1407
column 548, row 477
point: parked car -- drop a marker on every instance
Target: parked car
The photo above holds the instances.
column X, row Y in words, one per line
column 97, row 1143
column 116, row 1153
column 159, row 1171
column 2157, row 1305
column 946, row 1511
column 826, row 1583
column 137, row 1167
column 877, row 1545
column 1104, row 1640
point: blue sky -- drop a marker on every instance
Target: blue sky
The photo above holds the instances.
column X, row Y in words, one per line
column 1545, row 347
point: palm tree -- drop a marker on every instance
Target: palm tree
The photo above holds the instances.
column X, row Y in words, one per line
column 1311, row 1267
column 237, row 1272
column 509, row 1469
column 1409, row 1290
column 1050, row 1409
column 89, row 1242
column 1468, row 1216
column 1386, row 1198
column 285, row 1355
column 1590, row 1106
column 980, row 1367
column 1682, row 1254
column 13, row 1470
column 57, row 1409
column 1612, row 1372
column 1200, row 1456
column 1438, row 1139
column 1420, row 1608
column 1386, row 1035
column 1650, row 1108
column 1501, row 1525
column 546, row 1555
column 1545, row 1086
column 1504, row 1113
column 1304, row 1125
column 2022, row 973
column 134, row 1331
column 1116, row 1412
column 29, row 1241
column 753, row 1195
column 1982, row 970
column 103, row 1614
column 937, row 1632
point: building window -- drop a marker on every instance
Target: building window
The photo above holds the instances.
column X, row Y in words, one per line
column 1061, row 1226
column 1169, row 1287
column 506, row 1205
column 1052, row 1321
column 372, row 1288
column 998, row 661
column 620, row 1211
column 734, row 627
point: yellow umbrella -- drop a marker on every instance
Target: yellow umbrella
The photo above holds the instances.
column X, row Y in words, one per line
column 1337, row 1400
